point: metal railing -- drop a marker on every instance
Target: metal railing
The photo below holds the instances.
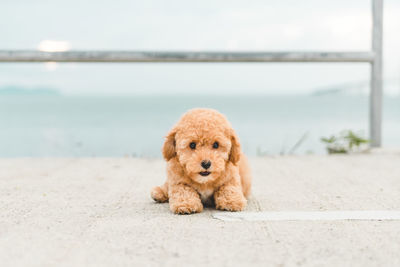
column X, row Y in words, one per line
column 374, row 57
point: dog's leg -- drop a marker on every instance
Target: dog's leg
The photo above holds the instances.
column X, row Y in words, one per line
column 230, row 197
column 245, row 175
column 184, row 199
column 160, row 193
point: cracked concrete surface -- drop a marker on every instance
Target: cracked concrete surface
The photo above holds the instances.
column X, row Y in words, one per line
column 98, row 212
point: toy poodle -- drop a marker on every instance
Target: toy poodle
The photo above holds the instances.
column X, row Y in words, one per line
column 205, row 165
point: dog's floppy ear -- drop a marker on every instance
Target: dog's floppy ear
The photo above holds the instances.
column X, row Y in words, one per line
column 234, row 155
column 168, row 149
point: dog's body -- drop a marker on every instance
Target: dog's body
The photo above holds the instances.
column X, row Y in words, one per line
column 204, row 165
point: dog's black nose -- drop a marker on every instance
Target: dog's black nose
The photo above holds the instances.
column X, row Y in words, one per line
column 206, row 164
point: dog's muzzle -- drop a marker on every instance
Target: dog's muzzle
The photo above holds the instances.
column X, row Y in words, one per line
column 205, row 173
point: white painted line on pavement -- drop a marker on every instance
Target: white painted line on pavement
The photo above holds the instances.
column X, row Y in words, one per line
column 364, row 215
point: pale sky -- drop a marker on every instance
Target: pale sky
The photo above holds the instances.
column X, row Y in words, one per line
column 307, row 25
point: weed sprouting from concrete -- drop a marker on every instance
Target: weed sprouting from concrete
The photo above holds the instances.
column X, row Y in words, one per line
column 346, row 142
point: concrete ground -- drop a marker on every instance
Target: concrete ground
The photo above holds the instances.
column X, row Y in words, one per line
column 97, row 212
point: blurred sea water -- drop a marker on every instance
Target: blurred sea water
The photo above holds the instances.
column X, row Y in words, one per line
column 83, row 126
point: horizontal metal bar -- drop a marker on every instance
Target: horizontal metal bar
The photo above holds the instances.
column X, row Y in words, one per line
column 137, row 56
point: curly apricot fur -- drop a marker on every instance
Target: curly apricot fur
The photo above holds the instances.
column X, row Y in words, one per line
column 188, row 187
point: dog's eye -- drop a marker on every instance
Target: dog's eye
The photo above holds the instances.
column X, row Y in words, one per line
column 215, row 145
column 192, row 145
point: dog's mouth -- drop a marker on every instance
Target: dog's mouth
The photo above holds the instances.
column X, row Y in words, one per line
column 205, row 173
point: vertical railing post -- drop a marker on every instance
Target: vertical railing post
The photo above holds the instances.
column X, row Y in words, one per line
column 376, row 75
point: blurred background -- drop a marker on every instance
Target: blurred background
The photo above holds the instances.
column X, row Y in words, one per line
column 125, row 109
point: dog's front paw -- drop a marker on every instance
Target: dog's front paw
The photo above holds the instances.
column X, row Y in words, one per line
column 159, row 195
column 230, row 202
column 186, row 207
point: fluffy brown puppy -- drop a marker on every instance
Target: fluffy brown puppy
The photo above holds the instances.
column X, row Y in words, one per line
column 204, row 163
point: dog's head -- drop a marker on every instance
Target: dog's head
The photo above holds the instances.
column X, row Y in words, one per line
column 203, row 142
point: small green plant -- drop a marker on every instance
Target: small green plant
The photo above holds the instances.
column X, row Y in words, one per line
column 346, row 142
